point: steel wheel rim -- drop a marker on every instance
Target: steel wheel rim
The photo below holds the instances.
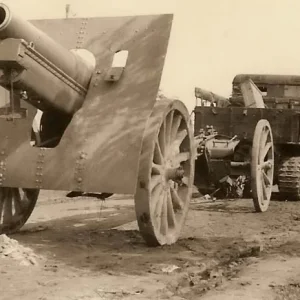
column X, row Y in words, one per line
column 168, row 178
column 16, row 206
column 264, row 166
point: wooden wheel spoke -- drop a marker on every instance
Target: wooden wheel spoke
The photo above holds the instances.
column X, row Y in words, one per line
column 176, row 125
column 17, row 201
column 162, row 138
column 156, row 196
column 185, row 180
column 265, row 150
column 164, row 216
column 177, row 202
column 181, row 135
column 173, row 150
column 7, row 213
column 158, row 155
column 1, row 211
column 2, row 199
column 169, row 127
column 158, row 209
column 181, row 157
column 264, row 137
column 264, row 190
column 174, row 185
column 157, row 169
column 171, row 213
column 27, row 198
column 155, row 180
column 266, row 179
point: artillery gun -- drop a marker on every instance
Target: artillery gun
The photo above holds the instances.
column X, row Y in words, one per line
column 250, row 142
column 95, row 82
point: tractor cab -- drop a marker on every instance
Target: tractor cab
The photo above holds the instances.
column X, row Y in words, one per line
column 277, row 91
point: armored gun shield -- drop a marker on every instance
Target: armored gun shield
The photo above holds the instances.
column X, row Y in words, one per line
column 94, row 82
column 98, row 150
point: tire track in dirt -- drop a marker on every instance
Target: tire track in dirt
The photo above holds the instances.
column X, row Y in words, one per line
column 221, row 239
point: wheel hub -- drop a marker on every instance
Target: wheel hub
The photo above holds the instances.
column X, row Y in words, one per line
column 175, row 174
column 172, row 172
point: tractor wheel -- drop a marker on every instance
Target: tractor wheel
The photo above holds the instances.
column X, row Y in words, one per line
column 262, row 166
column 16, row 206
column 166, row 174
column 289, row 179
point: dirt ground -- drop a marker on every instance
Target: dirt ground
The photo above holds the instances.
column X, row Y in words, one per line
column 83, row 248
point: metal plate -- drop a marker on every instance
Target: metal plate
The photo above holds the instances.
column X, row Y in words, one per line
column 100, row 149
column 242, row 121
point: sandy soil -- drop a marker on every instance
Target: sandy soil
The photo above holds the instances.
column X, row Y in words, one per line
column 87, row 249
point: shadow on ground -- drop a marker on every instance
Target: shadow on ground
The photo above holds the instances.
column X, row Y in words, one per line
column 227, row 206
column 96, row 246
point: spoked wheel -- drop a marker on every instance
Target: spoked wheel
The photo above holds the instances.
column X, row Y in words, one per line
column 16, row 206
column 262, row 166
column 166, row 174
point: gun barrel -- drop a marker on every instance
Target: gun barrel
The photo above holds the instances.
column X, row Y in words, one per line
column 30, row 60
column 209, row 96
column 13, row 26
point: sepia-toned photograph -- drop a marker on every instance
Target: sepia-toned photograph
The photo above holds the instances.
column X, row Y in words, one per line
column 149, row 150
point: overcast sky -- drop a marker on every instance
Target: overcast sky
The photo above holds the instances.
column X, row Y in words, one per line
column 211, row 40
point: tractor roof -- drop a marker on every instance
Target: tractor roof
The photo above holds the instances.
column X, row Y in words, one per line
column 268, row 79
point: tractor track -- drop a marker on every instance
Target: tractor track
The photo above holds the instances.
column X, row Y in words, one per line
column 289, row 178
